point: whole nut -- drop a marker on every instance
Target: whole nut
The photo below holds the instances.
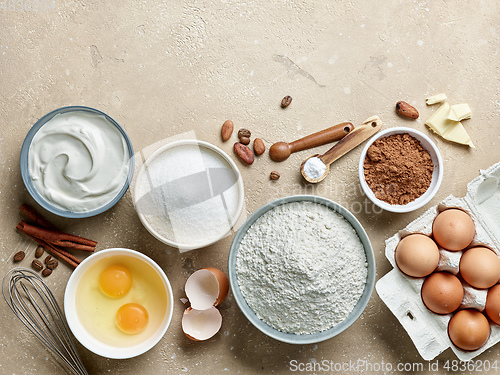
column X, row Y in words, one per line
column 39, row 251
column 37, row 265
column 406, row 110
column 244, row 133
column 258, row 146
column 245, row 140
column 285, row 102
column 53, row 263
column 274, row 175
column 227, row 130
column 46, row 272
column 19, row 256
column 244, row 153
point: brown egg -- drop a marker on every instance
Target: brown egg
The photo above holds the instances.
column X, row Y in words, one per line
column 417, row 255
column 469, row 329
column 442, row 292
column 480, row 267
column 453, row 229
column 493, row 304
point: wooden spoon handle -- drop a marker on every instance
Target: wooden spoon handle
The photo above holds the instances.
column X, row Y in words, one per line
column 322, row 137
column 360, row 134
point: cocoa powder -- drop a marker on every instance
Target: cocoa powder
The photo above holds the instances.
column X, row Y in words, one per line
column 398, row 169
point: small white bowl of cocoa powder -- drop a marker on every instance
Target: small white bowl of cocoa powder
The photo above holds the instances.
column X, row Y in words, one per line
column 400, row 169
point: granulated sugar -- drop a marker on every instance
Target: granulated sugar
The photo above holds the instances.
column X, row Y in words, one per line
column 189, row 194
column 301, row 268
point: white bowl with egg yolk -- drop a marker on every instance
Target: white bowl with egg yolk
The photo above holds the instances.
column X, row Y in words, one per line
column 137, row 285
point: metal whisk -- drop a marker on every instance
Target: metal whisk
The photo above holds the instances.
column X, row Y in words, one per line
column 34, row 304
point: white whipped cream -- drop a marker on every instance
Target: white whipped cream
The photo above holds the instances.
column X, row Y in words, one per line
column 78, row 161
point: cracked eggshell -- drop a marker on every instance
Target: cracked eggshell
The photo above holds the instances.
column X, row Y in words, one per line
column 206, row 288
column 199, row 325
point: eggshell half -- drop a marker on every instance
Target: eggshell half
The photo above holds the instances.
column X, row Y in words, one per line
column 469, row 329
column 199, row 325
column 206, row 288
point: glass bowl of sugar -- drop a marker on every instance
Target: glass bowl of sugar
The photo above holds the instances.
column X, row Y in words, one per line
column 188, row 194
column 301, row 269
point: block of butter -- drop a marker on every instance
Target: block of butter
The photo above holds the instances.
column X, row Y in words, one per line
column 450, row 130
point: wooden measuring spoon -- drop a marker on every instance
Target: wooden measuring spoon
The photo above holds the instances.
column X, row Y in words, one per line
column 360, row 134
column 280, row 151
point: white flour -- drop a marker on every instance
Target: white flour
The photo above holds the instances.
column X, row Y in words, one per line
column 314, row 168
column 301, row 268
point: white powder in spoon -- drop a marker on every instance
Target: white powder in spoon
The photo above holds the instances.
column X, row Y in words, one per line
column 301, row 268
column 314, row 168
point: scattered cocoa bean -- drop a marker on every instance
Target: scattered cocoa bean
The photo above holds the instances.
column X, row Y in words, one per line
column 258, row 146
column 19, row 256
column 274, row 175
column 53, row 263
column 39, row 251
column 245, row 140
column 47, row 259
column 37, row 265
column 244, row 133
column 406, row 110
column 46, row 272
column 227, row 130
column 244, row 153
column 285, row 102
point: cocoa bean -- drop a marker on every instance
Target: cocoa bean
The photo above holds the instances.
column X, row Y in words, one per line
column 258, row 146
column 406, row 110
column 37, row 265
column 227, row 130
column 244, row 153
column 19, row 256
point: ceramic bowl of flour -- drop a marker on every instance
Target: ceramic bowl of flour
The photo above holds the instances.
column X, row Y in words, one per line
column 437, row 173
column 301, row 269
column 188, row 194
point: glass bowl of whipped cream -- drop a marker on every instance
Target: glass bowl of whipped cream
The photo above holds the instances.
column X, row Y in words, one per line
column 77, row 162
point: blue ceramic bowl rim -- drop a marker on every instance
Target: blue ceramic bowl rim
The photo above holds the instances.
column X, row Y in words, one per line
column 290, row 337
column 24, row 162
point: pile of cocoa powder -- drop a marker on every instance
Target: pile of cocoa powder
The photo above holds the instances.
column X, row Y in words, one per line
column 398, row 169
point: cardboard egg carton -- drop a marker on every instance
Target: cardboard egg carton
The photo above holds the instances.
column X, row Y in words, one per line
column 429, row 331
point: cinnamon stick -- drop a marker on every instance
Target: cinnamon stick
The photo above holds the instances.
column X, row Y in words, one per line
column 73, row 245
column 36, row 217
column 56, row 237
column 60, row 253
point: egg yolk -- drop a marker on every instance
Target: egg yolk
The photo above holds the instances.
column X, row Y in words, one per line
column 115, row 281
column 132, row 318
